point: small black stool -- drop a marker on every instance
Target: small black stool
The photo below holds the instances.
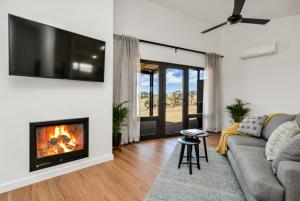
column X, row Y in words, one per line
column 200, row 134
column 204, row 136
column 189, row 142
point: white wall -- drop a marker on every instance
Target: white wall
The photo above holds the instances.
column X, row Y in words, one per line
column 149, row 21
column 25, row 99
column 269, row 83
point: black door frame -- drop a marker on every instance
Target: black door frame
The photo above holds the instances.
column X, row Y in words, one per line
column 160, row 119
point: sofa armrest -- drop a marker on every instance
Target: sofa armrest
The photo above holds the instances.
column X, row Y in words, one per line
column 289, row 176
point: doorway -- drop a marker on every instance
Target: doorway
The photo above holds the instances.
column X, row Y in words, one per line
column 171, row 98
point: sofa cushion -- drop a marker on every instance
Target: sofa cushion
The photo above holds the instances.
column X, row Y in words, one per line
column 298, row 119
column 234, row 140
column 290, row 152
column 252, row 125
column 280, row 138
column 258, row 173
column 274, row 123
column 289, row 176
column 246, row 140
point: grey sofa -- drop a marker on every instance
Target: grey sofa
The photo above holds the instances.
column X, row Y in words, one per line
column 257, row 180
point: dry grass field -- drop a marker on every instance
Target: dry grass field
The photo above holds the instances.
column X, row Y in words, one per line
column 173, row 114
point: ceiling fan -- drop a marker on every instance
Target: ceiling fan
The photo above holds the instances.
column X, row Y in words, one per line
column 236, row 17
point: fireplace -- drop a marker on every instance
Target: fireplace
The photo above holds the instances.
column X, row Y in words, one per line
column 56, row 142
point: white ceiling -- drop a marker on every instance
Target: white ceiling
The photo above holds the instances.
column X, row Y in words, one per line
column 217, row 11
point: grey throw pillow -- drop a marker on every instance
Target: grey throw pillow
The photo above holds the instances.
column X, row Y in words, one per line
column 290, row 152
column 252, row 125
column 280, row 137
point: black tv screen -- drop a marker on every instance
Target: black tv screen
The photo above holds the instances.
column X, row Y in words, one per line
column 39, row 50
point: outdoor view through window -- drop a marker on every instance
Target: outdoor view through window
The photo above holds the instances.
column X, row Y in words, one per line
column 149, row 89
column 169, row 85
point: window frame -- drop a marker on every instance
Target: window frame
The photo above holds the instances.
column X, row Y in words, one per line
column 160, row 118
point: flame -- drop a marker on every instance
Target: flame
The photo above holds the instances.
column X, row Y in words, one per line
column 60, row 130
column 59, row 140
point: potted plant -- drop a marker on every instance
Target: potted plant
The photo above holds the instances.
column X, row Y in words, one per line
column 120, row 112
column 238, row 110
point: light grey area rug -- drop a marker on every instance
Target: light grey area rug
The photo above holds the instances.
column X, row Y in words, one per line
column 215, row 181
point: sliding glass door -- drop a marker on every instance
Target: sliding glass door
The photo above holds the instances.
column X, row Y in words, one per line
column 195, row 97
column 171, row 98
column 149, row 100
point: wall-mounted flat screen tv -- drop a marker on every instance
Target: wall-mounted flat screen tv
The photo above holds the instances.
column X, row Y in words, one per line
column 39, row 50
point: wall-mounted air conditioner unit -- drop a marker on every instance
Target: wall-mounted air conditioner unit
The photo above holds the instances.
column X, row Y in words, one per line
column 263, row 50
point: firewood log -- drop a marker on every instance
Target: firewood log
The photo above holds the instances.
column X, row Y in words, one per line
column 53, row 141
column 65, row 139
column 59, row 149
column 69, row 146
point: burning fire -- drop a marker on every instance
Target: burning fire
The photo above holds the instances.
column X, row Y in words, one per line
column 62, row 139
column 57, row 140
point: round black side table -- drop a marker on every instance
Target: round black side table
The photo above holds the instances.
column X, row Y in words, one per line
column 198, row 134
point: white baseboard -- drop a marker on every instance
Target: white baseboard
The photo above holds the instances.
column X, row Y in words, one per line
column 75, row 165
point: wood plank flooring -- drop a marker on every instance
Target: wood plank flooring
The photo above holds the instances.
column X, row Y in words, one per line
column 127, row 178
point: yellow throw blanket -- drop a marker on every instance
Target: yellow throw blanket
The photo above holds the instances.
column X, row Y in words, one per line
column 222, row 147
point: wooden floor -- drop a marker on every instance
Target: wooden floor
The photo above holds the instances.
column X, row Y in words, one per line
column 127, row 178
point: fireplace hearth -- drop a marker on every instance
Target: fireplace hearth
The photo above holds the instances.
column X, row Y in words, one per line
column 56, row 142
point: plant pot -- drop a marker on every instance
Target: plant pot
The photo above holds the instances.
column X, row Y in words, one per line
column 116, row 139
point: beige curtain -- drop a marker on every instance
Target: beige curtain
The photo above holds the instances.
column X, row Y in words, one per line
column 126, row 72
column 212, row 109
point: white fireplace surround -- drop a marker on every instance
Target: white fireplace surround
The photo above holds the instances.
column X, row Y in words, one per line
column 26, row 99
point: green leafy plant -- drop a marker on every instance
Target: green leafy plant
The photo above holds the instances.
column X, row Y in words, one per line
column 120, row 112
column 238, row 111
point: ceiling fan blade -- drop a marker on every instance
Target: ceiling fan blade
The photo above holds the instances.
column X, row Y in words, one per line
column 238, row 6
column 213, row 28
column 254, row 21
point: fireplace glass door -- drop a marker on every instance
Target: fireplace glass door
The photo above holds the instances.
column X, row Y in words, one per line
column 56, row 142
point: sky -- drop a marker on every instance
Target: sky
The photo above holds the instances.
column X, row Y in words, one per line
column 174, row 80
